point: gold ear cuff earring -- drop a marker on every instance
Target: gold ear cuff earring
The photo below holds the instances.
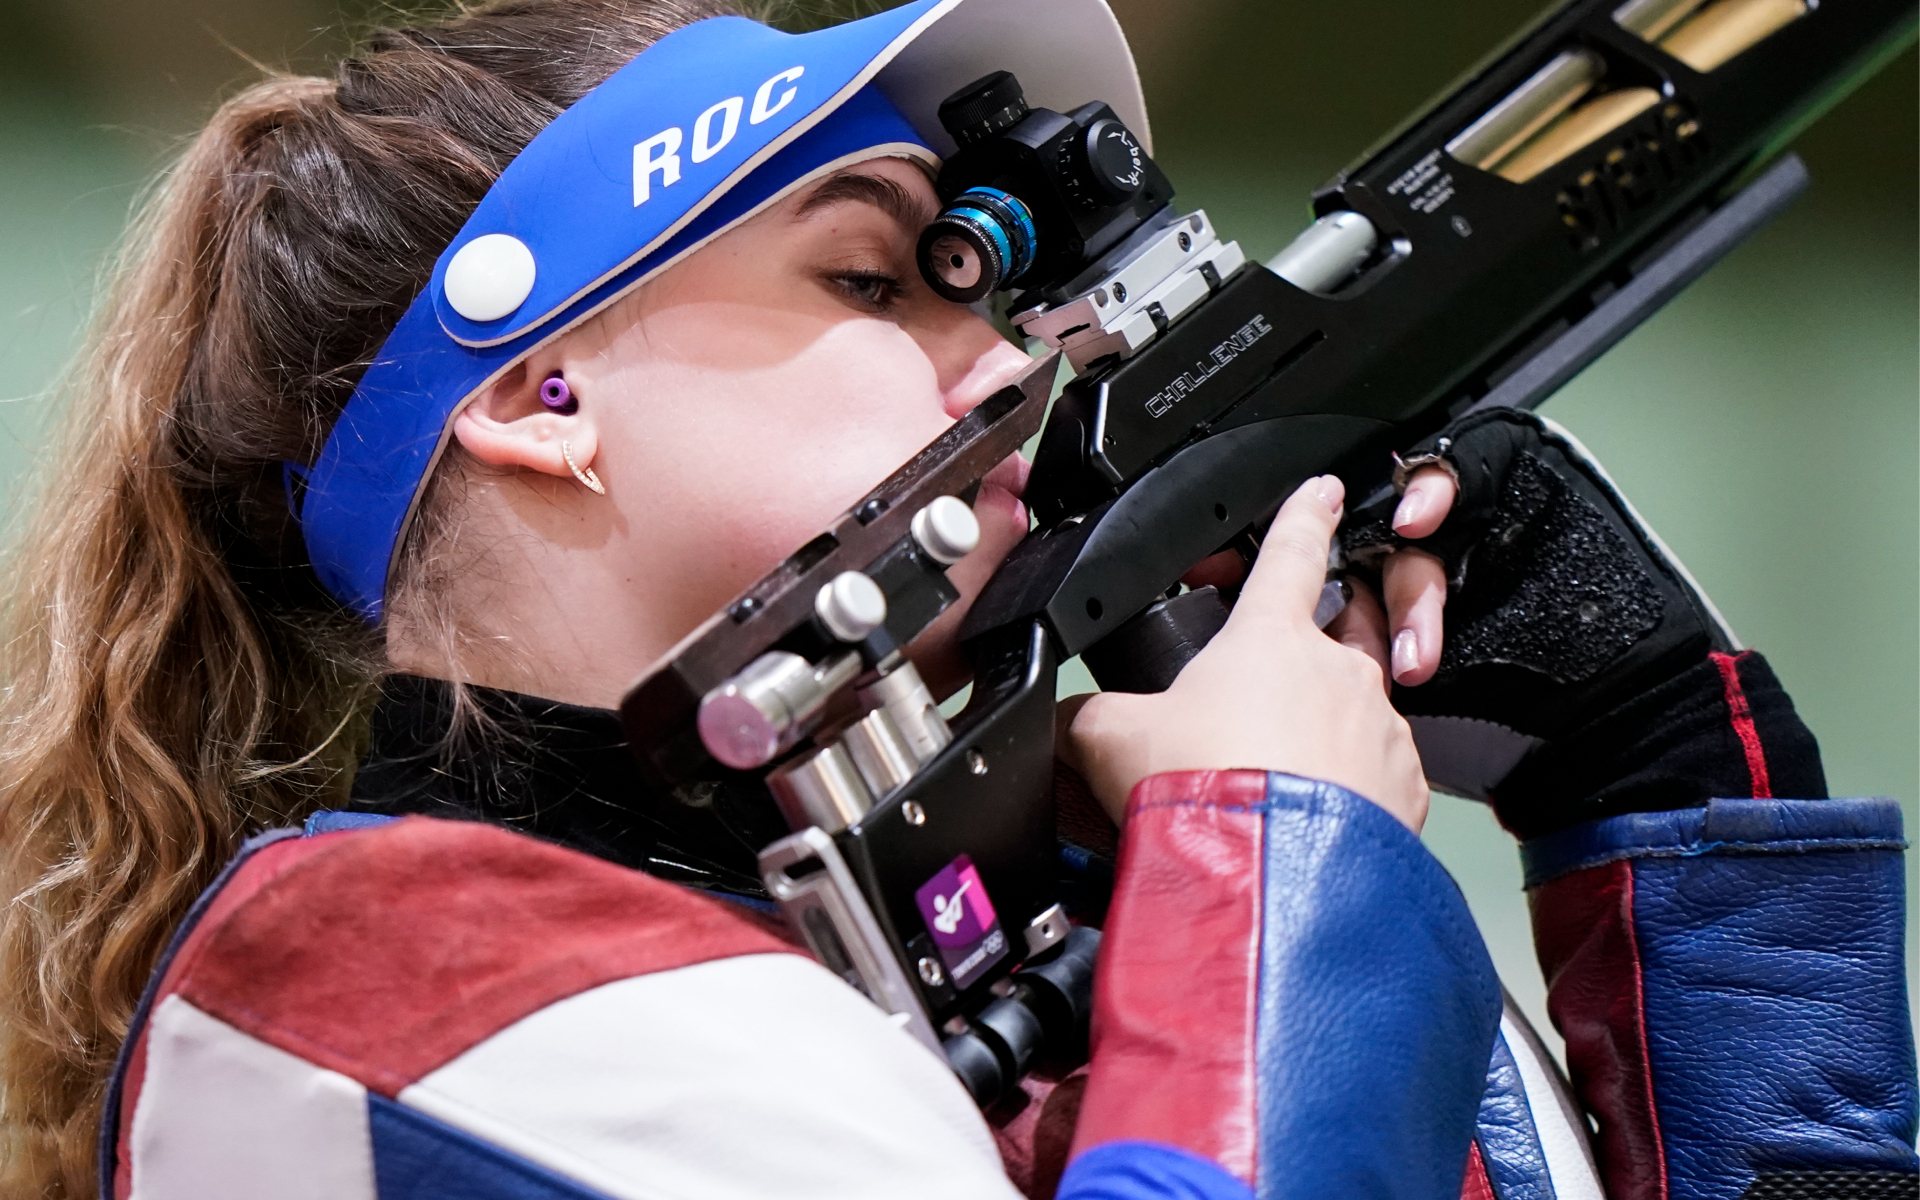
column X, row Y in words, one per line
column 583, row 474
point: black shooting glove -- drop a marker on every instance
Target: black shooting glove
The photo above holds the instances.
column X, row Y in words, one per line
column 1583, row 673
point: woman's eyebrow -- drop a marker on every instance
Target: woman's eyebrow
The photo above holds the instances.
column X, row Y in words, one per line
column 909, row 211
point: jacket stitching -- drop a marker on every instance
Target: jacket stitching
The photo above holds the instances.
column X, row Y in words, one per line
column 1728, row 849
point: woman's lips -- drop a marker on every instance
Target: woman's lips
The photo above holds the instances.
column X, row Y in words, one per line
column 1009, row 476
column 1003, row 518
column 1000, row 492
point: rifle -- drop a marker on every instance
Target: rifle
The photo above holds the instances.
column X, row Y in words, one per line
column 1484, row 253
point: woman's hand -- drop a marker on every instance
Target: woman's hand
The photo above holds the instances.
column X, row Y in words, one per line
column 1403, row 634
column 1270, row 692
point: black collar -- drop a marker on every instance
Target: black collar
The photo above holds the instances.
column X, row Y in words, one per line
column 559, row 772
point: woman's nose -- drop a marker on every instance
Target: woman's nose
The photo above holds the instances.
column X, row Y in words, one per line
column 974, row 362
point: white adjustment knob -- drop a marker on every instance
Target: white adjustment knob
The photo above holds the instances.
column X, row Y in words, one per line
column 490, row 277
column 947, row 530
column 851, row 607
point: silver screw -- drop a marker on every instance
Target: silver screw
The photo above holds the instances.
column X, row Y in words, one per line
column 976, row 762
column 1186, row 242
column 914, row 814
column 931, row 974
column 1120, row 292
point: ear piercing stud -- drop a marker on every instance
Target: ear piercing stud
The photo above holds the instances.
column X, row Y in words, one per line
column 557, row 396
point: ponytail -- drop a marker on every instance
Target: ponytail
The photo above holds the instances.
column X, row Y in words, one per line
column 148, row 708
column 174, row 678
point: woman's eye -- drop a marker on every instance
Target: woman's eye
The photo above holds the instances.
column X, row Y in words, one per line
column 870, row 289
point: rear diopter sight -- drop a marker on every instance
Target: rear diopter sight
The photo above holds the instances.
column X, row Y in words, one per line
column 980, row 243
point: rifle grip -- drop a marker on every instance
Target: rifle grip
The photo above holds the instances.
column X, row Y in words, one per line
column 1146, row 653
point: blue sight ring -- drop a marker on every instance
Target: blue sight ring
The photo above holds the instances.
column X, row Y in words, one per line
column 1013, row 221
column 983, row 241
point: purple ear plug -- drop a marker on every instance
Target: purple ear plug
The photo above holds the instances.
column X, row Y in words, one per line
column 556, row 395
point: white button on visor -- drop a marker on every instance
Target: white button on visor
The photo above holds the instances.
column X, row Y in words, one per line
column 490, row 277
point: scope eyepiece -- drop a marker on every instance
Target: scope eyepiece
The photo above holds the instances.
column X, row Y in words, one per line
column 981, row 242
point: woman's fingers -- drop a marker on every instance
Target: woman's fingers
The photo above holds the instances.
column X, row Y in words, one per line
column 1270, row 692
column 1292, row 566
column 1415, row 587
column 1415, row 583
column 1426, row 502
column 1073, row 749
column 1362, row 626
column 1103, row 737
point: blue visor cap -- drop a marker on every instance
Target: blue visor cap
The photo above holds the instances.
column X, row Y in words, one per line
column 710, row 125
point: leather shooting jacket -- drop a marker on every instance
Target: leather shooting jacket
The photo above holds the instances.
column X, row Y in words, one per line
column 502, row 976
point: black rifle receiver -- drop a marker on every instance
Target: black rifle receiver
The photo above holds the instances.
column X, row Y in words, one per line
column 1473, row 276
column 1503, row 238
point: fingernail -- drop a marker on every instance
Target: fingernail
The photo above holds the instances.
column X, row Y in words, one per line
column 1411, row 506
column 1406, row 653
column 1331, row 491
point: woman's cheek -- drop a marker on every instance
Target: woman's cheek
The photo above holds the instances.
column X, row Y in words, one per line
column 745, row 466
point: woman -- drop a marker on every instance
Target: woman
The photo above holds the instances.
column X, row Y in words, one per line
column 197, row 652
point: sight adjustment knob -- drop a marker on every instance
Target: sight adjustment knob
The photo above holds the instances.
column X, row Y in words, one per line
column 984, row 107
column 1116, row 165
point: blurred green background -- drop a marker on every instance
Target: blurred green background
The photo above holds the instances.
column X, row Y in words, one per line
column 1768, row 422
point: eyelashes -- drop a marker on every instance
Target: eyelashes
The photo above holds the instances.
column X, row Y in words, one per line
column 875, row 291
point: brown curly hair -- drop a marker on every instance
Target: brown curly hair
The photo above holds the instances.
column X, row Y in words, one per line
column 175, row 678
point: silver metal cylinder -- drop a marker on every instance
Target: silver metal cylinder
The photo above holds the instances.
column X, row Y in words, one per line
column 1327, row 252
column 752, row 717
column 881, row 755
column 1527, row 109
column 1651, row 19
column 822, row 789
column 915, row 714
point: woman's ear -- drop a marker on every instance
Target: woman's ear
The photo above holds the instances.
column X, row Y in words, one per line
column 508, row 425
